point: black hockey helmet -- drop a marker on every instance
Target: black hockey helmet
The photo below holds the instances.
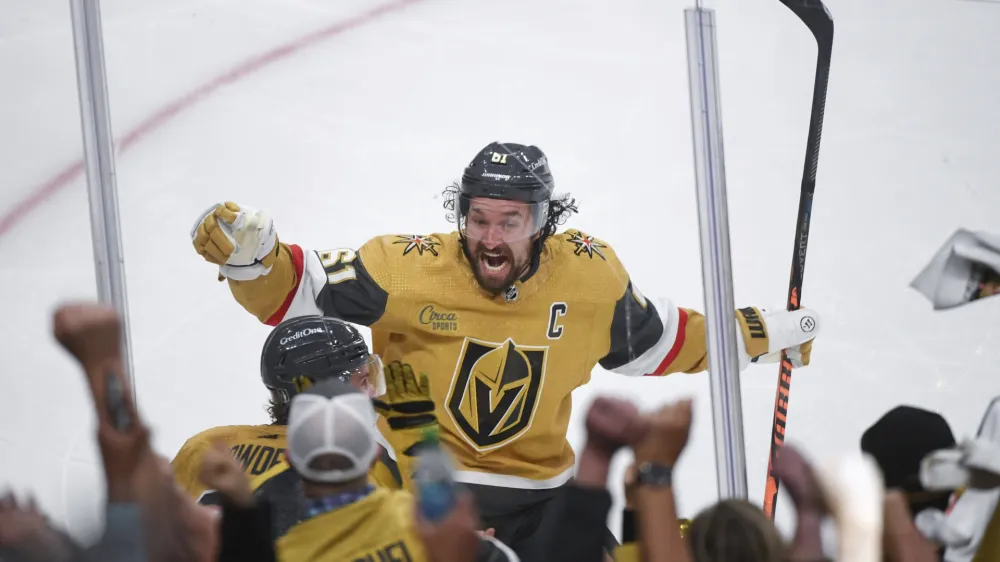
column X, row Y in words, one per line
column 508, row 171
column 303, row 350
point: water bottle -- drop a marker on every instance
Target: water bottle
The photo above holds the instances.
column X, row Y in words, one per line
column 435, row 479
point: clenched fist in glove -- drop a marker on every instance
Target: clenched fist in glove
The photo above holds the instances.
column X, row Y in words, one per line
column 240, row 240
column 764, row 334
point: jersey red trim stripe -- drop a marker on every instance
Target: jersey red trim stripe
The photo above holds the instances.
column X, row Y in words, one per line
column 299, row 263
column 682, row 320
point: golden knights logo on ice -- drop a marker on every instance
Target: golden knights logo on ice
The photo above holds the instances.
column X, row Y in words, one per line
column 494, row 392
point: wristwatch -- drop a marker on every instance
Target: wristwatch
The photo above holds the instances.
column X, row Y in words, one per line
column 651, row 474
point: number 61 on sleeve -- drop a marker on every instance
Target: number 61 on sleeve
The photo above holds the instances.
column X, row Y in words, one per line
column 337, row 264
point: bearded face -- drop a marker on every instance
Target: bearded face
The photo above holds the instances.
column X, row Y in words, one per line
column 499, row 234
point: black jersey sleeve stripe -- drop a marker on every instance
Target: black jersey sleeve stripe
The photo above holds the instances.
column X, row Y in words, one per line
column 635, row 328
column 350, row 292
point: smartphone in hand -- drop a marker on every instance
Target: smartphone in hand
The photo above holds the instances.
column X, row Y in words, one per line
column 115, row 396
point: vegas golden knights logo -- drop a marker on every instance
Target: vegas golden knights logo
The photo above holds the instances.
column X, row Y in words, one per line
column 495, row 391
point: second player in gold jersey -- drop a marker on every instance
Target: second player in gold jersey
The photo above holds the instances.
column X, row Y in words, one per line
column 297, row 354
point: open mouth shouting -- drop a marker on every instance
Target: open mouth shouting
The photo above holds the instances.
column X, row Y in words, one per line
column 495, row 266
column 493, row 261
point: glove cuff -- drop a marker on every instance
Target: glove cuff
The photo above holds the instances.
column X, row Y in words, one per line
column 243, row 272
column 411, row 422
column 753, row 331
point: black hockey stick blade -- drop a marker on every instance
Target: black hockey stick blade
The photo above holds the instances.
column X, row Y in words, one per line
column 817, row 18
column 819, row 21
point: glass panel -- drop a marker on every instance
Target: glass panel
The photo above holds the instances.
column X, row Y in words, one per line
column 348, row 119
column 46, row 255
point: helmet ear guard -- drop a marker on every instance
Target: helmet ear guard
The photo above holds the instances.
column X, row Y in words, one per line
column 279, row 395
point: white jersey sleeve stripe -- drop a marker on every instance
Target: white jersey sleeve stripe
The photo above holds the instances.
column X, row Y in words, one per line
column 313, row 281
column 650, row 361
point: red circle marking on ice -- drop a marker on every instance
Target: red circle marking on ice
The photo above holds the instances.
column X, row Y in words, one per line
column 40, row 194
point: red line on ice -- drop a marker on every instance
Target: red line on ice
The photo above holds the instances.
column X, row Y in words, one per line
column 66, row 176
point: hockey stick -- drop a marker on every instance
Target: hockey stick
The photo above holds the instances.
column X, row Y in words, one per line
column 819, row 21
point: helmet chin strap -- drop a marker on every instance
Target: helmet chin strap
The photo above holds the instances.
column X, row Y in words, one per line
column 527, row 266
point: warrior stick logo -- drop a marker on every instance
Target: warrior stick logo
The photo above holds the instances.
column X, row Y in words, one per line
column 495, row 391
column 754, row 323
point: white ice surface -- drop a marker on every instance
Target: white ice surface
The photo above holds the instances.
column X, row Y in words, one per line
column 356, row 135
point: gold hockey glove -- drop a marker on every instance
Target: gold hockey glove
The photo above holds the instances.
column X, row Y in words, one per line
column 213, row 241
column 240, row 240
column 407, row 405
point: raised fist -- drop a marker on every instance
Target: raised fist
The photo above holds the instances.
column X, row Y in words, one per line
column 221, row 471
column 613, row 423
column 669, row 428
column 795, row 472
column 240, row 240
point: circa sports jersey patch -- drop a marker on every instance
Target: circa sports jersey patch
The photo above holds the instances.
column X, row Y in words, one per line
column 586, row 245
column 419, row 243
column 438, row 320
column 494, row 392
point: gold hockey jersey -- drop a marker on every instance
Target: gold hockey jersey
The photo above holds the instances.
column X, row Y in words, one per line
column 379, row 526
column 502, row 367
column 257, row 447
column 260, row 449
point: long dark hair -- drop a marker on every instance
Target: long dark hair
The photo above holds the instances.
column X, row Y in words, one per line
column 278, row 412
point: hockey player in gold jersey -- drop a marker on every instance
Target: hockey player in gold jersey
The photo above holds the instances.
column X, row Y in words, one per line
column 507, row 316
column 332, row 440
column 297, row 353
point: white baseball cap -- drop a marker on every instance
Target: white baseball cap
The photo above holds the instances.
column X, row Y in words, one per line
column 332, row 418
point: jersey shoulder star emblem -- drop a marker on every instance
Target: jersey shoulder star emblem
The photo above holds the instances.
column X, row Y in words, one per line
column 419, row 243
column 586, row 244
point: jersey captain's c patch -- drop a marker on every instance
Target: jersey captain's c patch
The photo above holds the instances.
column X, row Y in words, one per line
column 494, row 392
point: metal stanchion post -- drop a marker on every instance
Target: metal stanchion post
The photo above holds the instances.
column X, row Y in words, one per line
column 99, row 157
column 723, row 361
